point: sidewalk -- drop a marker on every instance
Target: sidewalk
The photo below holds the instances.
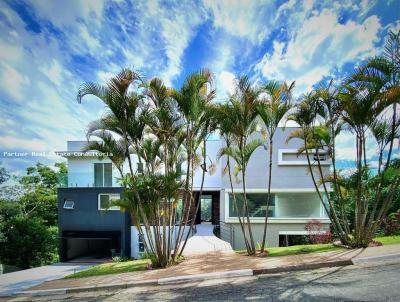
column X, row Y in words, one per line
column 224, row 262
column 20, row 280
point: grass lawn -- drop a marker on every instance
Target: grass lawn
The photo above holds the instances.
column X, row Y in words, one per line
column 312, row 248
column 388, row 239
column 301, row 249
column 112, row 268
column 297, row 249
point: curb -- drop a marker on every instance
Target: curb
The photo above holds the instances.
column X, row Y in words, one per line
column 203, row 277
column 207, row 276
column 375, row 258
column 71, row 290
column 301, row 267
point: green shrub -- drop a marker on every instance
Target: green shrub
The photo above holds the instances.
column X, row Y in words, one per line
column 28, row 243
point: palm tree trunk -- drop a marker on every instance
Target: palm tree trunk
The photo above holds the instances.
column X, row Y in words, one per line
column 198, row 198
column 394, row 117
column 235, row 203
column 357, row 229
column 269, row 195
column 331, row 217
column 246, row 207
column 336, row 184
column 185, row 194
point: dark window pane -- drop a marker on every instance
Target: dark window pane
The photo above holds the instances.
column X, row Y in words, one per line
column 108, row 175
column 140, row 168
column 98, row 175
column 256, row 202
column 104, row 202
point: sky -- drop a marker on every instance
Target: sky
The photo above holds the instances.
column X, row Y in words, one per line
column 49, row 48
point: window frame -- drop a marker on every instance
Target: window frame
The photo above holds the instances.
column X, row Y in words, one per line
column 102, row 174
column 69, row 208
column 113, row 208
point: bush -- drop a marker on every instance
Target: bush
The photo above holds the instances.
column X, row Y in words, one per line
column 391, row 224
column 120, row 259
column 28, row 243
column 316, row 232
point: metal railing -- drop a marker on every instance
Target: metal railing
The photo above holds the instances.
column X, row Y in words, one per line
column 226, row 232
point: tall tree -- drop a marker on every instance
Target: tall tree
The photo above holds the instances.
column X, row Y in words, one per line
column 272, row 109
column 241, row 113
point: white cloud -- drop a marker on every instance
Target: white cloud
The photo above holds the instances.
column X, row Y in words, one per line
column 20, row 144
column 177, row 29
column 9, row 52
column 245, row 19
column 55, row 72
column 320, row 45
column 13, row 81
column 225, row 84
column 67, row 13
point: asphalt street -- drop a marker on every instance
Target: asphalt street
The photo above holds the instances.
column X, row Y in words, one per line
column 378, row 281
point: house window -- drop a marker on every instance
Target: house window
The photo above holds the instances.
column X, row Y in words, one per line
column 179, row 171
column 322, row 156
column 140, row 168
column 69, row 204
column 256, row 204
column 103, row 175
column 141, row 244
column 106, row 201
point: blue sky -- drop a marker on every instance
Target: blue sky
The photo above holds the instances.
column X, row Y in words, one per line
column 48, row 48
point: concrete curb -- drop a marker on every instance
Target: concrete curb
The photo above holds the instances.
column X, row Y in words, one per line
column 376, row 258
column 301, row 267
column 204, row 277
column 208, row 276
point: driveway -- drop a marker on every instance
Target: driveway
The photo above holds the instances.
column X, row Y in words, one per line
column 17, row 281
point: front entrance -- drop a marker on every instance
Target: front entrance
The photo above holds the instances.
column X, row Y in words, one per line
column 206, row 208
column 209, row 207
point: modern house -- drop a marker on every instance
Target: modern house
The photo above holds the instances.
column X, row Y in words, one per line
column 87, row 228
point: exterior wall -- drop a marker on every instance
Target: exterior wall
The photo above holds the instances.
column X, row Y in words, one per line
column 81, row 167
column 291, row 176
column 283, row 176
column 81, row 172
column 272, row 233
column 86, row 217
column 212, row 178
column 135, row 245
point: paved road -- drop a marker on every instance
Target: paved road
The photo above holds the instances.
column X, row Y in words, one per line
column 367, row 282
column 20, row 280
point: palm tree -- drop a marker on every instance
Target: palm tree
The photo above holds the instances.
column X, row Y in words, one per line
column 124, row 106
column 380, row 77
column 272, row 109
column 221, row 114
column 193, row 100
column 318, row 137
column 163, row 121
column 241, row 115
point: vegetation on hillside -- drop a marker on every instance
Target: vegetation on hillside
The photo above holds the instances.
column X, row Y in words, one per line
column 28, row 217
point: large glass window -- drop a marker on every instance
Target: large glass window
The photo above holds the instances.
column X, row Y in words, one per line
column 103, row 175
column 257, row 204
column 302, row 205
column 282, row 205
column 106, row 201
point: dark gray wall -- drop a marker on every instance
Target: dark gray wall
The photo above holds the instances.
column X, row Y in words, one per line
column 86, row 217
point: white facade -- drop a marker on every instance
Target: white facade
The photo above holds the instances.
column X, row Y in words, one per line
column 295, row 199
